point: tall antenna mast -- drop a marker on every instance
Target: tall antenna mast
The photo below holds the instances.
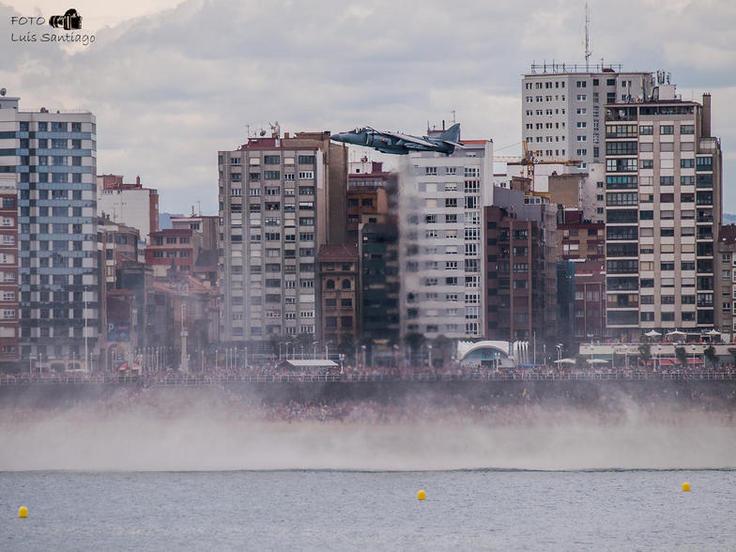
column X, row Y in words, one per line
column 587, row 37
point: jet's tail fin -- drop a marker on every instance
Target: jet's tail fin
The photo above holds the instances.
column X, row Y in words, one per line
column 452, row 134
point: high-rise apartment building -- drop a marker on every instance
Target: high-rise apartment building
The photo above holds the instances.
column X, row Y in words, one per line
column 281, row 199
column 9, row 286
column 441, row 254
column 380, row 284
column 726, row 253
column 663, row 212
column 563, row 108
column 52, row 156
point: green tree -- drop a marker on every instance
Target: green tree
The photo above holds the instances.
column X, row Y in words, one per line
column 347, row 346
column 710, row 355
column 276, row 341
column 442, row 350
column 645, row 352
column 414, row 341
column 681, row 355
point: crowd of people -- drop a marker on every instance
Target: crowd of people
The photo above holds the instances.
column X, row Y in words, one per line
column 511, row 406
column 277, row 372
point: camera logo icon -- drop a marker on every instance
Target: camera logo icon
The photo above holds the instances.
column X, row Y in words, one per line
column 70, row 20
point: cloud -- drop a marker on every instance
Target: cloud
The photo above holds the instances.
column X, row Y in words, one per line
column 171, row 88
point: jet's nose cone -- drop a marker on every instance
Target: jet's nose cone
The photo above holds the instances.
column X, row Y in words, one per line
column 337, row 137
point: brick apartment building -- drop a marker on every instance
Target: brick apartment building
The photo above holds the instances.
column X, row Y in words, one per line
column 172, row 249
column 338, row 294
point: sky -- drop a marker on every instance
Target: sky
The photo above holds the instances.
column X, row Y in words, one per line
column 171, row 82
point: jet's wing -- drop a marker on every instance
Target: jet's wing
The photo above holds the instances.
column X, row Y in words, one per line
column 454, row 144
column 410, row 139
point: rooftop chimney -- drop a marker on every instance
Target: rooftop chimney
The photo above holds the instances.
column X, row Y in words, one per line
column 705, row 117
column 138, row 181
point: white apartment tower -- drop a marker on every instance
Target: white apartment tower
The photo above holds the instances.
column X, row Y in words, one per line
column 276, row 203
column 663, row 213
column 441, row 245
column 563, row 108
column 51, row 155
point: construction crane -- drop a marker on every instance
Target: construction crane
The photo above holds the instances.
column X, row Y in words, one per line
column 528, row 160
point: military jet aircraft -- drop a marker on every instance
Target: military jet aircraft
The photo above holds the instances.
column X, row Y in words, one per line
column 402, row 144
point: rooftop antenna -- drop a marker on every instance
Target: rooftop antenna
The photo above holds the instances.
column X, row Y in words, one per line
column 587, row 37
column 453, row 117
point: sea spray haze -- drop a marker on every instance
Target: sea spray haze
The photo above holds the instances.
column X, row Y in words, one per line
column 213, row 429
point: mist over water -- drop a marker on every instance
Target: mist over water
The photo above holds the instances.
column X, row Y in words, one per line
column 210, row 429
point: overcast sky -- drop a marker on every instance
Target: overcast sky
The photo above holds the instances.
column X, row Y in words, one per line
column 172, row 82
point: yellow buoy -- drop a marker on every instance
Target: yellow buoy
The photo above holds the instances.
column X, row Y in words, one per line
column 421, row 494
column 22, row 512
column 686, row 487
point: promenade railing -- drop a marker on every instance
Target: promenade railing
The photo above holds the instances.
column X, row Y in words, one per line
column 165, row 379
